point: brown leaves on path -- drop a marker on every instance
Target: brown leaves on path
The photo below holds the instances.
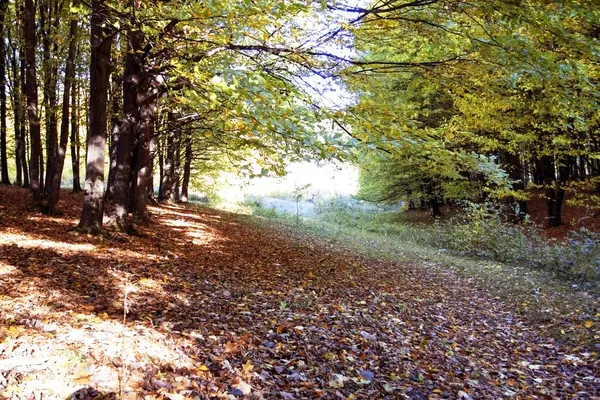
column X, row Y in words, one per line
column 219, row 308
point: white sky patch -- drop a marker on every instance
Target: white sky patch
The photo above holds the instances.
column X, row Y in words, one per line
column 325, row 179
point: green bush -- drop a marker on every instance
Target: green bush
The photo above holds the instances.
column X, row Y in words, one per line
column 579, row 257
column 479, row 230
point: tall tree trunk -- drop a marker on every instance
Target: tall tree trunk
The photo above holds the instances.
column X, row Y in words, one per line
column 32, row 103
column 116, row 102
column 54, row 188
column 161, row 166
column 168, row 185
column 187, row 168
column 151, row 166
column 101, row 38
column 75, row 139
column 553, row 191
column 25, row 148
column 435, row 207
column 148, row 108
column 118, row 191
column 3, row 151
column 177, row 162
column 48, row 9
column 515, row 173
column 17, row 105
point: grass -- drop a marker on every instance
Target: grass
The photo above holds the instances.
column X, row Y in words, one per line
column 508, row 267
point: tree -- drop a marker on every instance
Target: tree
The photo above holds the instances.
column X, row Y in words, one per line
column 29, row 39
column 101, row 41
column 61, row 150
column 3, row 150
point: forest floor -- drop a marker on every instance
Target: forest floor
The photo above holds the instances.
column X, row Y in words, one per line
column 219, row 307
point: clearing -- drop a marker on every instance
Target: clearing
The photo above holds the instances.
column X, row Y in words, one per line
column 219, row 307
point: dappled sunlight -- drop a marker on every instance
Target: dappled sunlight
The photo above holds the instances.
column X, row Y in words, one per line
column 7, row 269
column 57, row 220
column 30, row 241
column 176, row 211
column 200, row 233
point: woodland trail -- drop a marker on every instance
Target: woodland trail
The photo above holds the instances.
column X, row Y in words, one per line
column 220, row 308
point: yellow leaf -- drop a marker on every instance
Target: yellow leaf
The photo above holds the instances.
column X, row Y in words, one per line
column 588, row 324
column 247, row 367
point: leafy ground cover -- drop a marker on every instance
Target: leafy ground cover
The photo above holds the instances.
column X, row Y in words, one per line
column 207, row 304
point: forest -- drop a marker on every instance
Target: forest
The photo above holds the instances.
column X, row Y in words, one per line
column 114, row 115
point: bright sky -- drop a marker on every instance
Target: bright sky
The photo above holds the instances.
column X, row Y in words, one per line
column 326, row 179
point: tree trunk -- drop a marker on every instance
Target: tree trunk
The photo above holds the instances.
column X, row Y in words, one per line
column 187, row 168
column 3, row 152
column 32, row 104
column 161, row 167
column 168, row 183
column 48, row 10
column 23, row 115
column 118, row 191
column 101, row 38
column 435, row 207
column 54, row 188
column 177, row 163
column 17, row 105
column 553, row 192
column 148, row 108
column 517, row 210
column 75, row 139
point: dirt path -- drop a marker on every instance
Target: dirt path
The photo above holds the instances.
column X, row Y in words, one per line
column 221, row 309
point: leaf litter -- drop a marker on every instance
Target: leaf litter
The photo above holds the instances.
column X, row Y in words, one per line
column 218, row 308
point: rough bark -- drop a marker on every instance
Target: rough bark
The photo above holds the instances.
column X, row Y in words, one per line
column 48, row 25
column 168, row 182
column 177, row 162
column 148, row 107
column 75, row 139
column 54, row 187
column 35, row 181
column 3, row 151
column 101, row 38
column 118, row 191
column 23, row 120
column 17, row 107
column 187, row 168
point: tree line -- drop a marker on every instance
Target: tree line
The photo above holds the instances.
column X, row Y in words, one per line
column 451, row 99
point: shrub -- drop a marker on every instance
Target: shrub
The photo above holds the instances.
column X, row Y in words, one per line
column 579, row 257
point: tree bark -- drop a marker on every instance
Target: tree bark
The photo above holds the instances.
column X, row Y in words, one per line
column 48, row 21
column 75, row 139
column 168, row 183
column 118, row 191
column 177, row 162
column 35, row 182
column 3, row 151
column 187, row 168
column 517, row 210
column 17, row 106
column 22, row 120
column 54, row 188
column 554, row 191
column 101, row 38
column 148, row 108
